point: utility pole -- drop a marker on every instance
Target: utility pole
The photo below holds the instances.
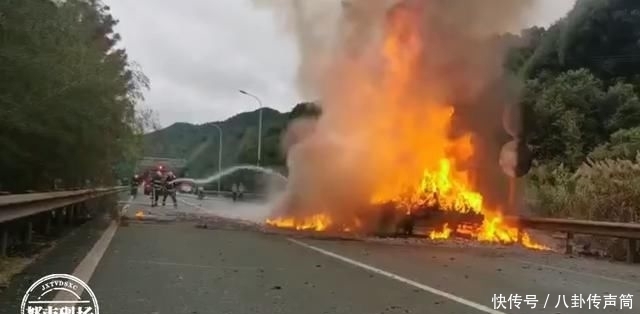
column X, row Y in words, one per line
column 259, row 122
column 219, row 153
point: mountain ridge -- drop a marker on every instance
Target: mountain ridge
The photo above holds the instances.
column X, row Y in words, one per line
column 198, row 143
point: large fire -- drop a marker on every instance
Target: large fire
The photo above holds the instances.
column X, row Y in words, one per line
column 390, row 104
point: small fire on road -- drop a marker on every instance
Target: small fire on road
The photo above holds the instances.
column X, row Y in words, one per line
column 139, row 214
column 491, row 230
column 318, row 222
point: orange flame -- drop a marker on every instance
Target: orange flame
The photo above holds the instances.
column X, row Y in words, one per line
column 319, row 222
column 529, row 243
column 444, row 234
column 139, row 214
column 493, row 229
column 399, row 110
column 426, row 129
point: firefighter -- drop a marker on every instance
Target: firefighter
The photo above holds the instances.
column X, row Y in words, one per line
column 156, row 182
column 234, row 192
column 170, row 189
column 200, row 192
column 135, row 182
column 240, row 190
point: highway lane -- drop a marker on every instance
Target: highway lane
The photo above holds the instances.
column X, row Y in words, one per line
column 188, row 204
column 480, row 273
column 254, row 211
column 181, row 269
column 63, row 255
column 177, row 268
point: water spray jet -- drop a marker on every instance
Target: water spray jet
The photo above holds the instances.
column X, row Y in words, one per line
column 228, row 171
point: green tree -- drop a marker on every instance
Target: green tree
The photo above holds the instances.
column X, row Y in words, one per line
column 305, row 109
column 620, row 108
column 68, row 96
column 624, row 144
column 560, row 120
column 569, row 115
column 522, row 48
column 600, row 35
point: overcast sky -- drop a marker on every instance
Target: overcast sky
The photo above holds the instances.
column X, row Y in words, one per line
column 198, row 53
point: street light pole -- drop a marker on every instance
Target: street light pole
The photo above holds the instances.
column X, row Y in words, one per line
column 259, row 121
column 219, row 154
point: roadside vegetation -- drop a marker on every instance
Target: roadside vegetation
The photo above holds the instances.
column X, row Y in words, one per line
column 68, row 96
column 582, row 112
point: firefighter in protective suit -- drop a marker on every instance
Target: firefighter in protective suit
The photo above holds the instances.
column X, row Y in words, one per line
column 135, row 182
column 156, row 182
column 170, row 189
column 234, row 192
column 200, row 192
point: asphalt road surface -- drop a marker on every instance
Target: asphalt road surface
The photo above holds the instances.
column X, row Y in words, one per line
column 176, row 268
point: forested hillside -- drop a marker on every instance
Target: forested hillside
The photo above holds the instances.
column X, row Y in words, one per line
column 582, row 111
column 198, row 144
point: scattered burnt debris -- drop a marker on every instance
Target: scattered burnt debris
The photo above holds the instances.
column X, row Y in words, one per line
column 396, row 223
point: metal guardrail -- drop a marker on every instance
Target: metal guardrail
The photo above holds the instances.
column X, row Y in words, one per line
column 15, row 207
column 628, row 231
column 601, row 228
column 18, row 206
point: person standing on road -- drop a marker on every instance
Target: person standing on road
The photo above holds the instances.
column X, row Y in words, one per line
column 156, row 182
column 240, row 190
column 170, row 189
column 234, row 191
column 200, row 192
column 135, row 182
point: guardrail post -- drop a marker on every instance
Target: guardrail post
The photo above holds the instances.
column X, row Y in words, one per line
column 59, row 220
column 86, row 211
column 81, row 211
column 28, row 231
column 70, row 213
column 568, row 243
column 632, row 251
column 46, row 223
column 4, row 239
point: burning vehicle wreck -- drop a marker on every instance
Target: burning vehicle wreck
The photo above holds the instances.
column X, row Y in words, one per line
column 419, row 129
column 431, row 215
